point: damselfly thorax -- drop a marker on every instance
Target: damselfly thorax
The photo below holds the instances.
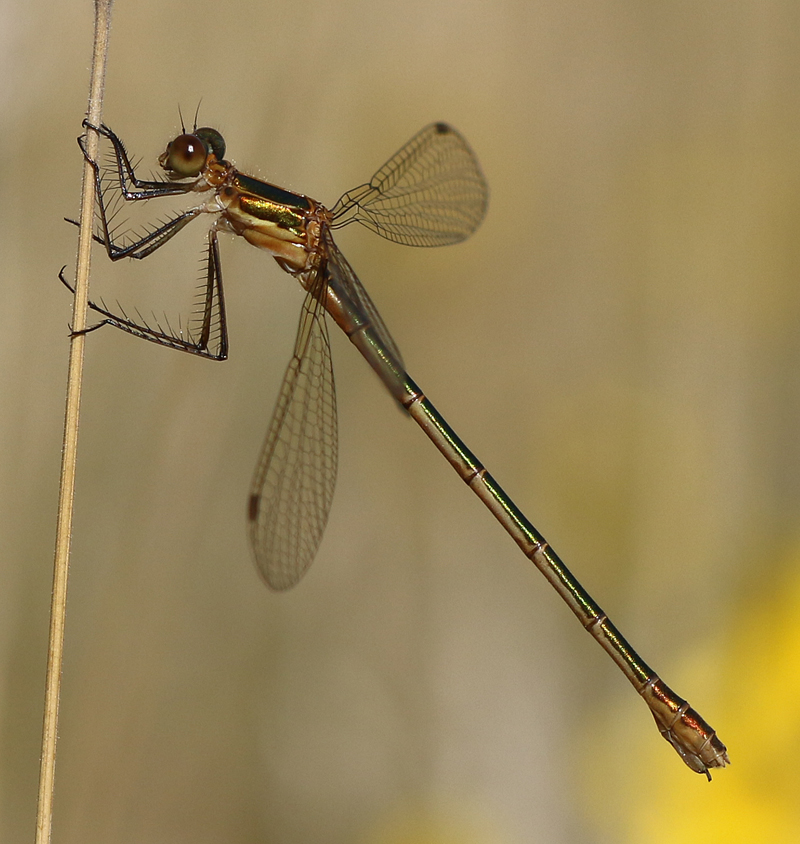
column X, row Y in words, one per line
column 285, row 224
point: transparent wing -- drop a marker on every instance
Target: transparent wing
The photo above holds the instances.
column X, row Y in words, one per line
column 293, row 485
column 430, row 193
column 342, row 276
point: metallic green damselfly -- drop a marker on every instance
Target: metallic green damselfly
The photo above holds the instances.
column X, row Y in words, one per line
column 430, row 193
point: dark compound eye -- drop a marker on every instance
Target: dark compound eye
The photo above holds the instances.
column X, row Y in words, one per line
column 186, row 155
column 213, row 140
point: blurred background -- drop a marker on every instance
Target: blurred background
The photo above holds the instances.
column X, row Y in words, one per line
column 619, row 343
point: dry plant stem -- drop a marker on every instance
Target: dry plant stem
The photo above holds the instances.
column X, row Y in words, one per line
column 44, row 814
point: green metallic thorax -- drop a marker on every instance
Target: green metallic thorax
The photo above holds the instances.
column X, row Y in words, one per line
column 272, row 204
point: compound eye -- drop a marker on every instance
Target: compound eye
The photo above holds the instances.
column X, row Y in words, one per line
column 186, row 155
column 213, row 140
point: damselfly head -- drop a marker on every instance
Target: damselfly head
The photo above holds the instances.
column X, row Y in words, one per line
column 187, row 155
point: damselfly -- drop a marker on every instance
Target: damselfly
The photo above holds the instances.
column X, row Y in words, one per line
column 430, row 193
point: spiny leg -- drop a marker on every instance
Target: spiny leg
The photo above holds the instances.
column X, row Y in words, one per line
column 145, row 245
column 211, row 340
column 146, row 189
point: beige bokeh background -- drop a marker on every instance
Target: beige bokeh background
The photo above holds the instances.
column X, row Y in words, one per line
column 619, row 343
